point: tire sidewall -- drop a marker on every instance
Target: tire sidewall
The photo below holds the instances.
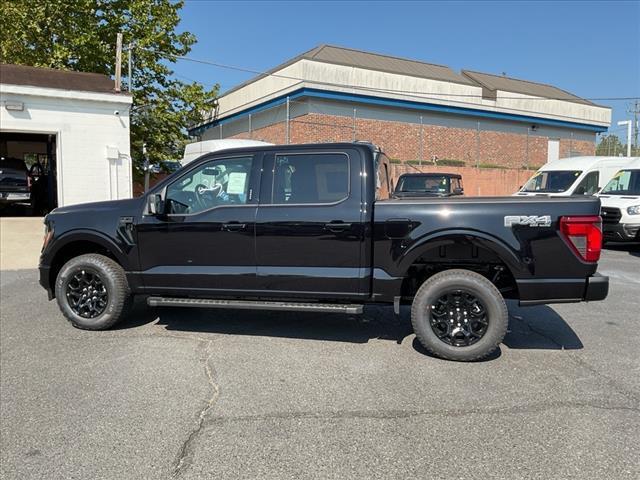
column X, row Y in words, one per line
column 488, row 296
column 106, row 318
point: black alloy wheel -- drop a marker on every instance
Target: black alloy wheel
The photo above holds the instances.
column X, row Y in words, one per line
column 459, row 315
column 87, row 294
column 458, row 318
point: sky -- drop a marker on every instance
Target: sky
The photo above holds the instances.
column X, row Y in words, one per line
column 590, row 48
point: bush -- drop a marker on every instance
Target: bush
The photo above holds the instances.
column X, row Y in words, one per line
column 492, row 165
column 449, row 162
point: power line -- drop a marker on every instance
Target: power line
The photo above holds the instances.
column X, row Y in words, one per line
column 372, row 89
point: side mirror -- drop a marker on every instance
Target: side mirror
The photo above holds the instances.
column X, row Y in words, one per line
column 155, row 204
column 458, row 191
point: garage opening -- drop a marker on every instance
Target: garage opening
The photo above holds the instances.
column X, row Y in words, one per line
column 28, row 183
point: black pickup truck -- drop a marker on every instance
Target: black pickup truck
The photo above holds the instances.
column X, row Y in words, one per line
column 313, row 228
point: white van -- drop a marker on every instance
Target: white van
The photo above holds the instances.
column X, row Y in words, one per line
column 573, row 176
column 197, row 149
column 620, row 200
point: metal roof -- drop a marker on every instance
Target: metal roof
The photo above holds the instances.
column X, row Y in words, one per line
column 383, row 63
column 525, row 87
column 52, row 78
column 369, row 61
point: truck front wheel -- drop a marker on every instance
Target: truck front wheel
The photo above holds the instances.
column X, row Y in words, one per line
column 92, row 292
column 459, row 315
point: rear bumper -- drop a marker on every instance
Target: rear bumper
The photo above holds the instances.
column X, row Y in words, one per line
column 621, row 232
column 15, row 196
column 563, row 290
column 597, row 288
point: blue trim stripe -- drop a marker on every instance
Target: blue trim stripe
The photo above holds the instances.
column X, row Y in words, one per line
column 387, row 102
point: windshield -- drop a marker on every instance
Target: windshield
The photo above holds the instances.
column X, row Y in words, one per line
column 551, row 181
column 430, row 184
column 625, row 182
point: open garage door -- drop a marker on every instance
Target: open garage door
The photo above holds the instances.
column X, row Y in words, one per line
column 28, row 184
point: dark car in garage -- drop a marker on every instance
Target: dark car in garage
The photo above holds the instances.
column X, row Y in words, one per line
column 15, row 184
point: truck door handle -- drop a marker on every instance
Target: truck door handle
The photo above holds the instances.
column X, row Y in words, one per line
column 233, row 226
column 337, row 226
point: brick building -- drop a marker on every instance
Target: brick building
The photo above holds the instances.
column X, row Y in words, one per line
column 413, row 110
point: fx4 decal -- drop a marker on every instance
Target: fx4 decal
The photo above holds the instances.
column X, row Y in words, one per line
column 530, row 220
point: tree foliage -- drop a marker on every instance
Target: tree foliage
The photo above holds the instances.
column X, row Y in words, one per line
column 611, row 146
column 81, row 35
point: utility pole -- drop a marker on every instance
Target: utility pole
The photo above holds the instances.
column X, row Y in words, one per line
column 130, row 62
column 118, row 86
column 628, row 124
column 635, row 110
column 355, row 113
column 286, row 133
column 146, row 168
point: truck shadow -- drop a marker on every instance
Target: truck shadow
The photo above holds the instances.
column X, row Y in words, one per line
column 537, row 327
column 632, row 248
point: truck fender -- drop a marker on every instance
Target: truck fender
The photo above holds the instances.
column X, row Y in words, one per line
column 422, row 244
column 92, row 236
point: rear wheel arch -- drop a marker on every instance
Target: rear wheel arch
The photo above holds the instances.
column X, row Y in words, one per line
column 474, row 251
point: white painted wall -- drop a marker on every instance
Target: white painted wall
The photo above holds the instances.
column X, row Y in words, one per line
column 85, row 124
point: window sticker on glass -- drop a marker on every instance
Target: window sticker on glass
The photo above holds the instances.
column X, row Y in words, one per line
column 237, row 183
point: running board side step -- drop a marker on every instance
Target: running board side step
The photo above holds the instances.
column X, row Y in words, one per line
column 352, row 309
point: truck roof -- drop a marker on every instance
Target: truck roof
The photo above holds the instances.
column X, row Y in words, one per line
column 585, row 163
column 255, row 145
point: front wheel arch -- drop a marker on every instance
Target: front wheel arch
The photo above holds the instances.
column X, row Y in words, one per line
column 76, row 245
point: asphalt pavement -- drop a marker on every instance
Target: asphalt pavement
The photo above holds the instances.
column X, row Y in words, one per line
column 178, row 393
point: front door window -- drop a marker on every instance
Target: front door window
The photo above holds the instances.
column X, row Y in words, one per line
column 212, row 184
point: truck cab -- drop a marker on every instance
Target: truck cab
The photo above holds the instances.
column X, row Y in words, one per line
column 428, row 184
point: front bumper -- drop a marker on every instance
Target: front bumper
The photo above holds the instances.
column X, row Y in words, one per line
column 621, row 232
column 44, row 280
column 563, row 290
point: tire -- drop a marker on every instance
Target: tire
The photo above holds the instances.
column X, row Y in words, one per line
column 106, row 311
column 487, row 318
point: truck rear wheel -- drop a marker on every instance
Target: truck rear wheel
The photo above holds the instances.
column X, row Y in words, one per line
column 459, row 315
column 92, row 292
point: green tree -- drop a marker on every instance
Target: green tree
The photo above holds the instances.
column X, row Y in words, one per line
column 81, row 35
column 610, row 146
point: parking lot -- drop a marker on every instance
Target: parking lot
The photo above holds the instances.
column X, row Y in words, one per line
column 225, row 394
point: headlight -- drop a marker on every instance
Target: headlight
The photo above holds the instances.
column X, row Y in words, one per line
column 48, row 233
column 634, row 210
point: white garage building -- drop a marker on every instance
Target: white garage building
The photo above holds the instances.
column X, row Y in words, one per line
column 74, row 125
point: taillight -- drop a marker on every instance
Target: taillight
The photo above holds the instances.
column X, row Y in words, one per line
column 584, row 234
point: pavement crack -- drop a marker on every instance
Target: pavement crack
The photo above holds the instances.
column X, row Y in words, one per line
column 608, row 380
column 405, row 414
column 581, row 362
column 185, row 454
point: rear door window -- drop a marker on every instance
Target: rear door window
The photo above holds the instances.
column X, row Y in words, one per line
column 317, row 178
